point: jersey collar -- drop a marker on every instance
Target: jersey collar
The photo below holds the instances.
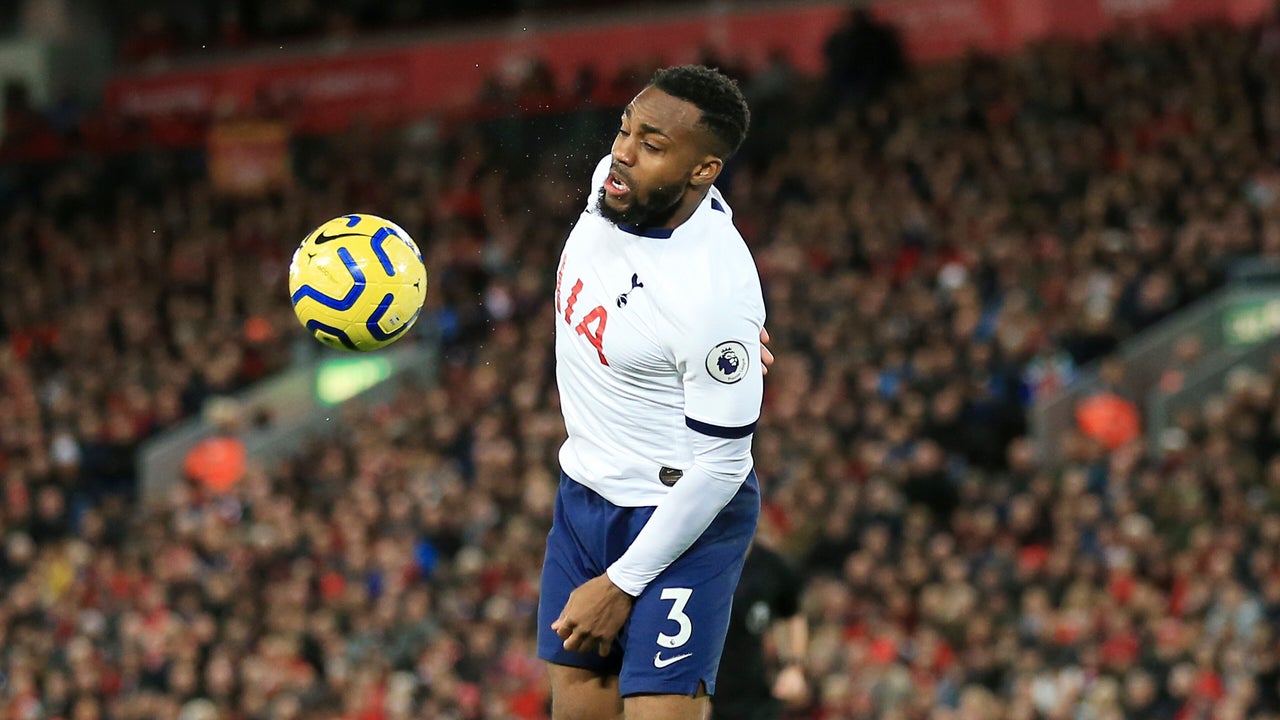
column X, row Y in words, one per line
column 665, row 233
column 651, row 232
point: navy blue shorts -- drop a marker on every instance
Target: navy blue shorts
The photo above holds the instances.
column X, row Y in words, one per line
column 675, row 634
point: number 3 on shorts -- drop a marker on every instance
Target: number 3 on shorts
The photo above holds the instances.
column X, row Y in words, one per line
column 681, row 597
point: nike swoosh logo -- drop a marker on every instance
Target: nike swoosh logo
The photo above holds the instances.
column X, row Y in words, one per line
column 322, row 238
column 661, row 662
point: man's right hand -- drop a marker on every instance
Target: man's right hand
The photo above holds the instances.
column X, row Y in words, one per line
column 766, row 357
column 593, row 616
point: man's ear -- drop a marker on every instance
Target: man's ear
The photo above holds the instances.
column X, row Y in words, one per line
column 706, row 172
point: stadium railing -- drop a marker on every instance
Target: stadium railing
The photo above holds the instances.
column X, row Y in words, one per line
column 1237, row 325
column 298, row 405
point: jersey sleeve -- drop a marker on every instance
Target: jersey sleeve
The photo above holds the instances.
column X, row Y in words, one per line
column 718, row 355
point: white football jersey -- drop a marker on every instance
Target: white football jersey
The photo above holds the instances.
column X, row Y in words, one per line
column 657, row 337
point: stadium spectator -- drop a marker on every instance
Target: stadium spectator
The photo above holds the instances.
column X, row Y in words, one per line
column 864, row 57
column 217, row 462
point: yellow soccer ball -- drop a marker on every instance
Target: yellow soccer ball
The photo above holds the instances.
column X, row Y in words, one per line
column 357, row 282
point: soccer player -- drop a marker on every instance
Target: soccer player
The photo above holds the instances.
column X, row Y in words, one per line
column 767, row 599
column 659, row 324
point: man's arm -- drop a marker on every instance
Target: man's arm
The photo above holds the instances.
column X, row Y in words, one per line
column 720, row 466
column 715, row 351
column 791, row 686
column 792, row 636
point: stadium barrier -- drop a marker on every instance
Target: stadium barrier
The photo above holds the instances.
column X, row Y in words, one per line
column 299, row 404
column 1238, row 325
column 1207, row 380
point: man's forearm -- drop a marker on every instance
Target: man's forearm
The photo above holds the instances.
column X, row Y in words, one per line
column 685, row 513
column 793, row 633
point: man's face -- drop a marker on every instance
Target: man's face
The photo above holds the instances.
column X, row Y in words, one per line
column 658, row 148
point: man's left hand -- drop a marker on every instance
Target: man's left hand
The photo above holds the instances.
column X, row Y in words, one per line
column 593, row 616
column 766, row 357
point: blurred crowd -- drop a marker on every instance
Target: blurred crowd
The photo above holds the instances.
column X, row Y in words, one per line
column 936, row 252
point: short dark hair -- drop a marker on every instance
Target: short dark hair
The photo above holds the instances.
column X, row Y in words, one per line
column 724, row 110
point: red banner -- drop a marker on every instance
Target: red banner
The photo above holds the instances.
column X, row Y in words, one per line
column 326, row 92
column 1087, row 20
column 322, row 91
column 938, row 29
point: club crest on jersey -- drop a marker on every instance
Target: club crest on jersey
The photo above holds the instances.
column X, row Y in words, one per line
column 635, row 283
column 728, row 361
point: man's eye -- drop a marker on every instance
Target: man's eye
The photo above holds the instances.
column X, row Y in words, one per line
column 623, row 133
column 651, row 146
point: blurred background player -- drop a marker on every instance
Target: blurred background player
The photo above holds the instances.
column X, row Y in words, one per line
column 767, row 602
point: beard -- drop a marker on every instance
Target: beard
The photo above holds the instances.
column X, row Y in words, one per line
column 662, row 204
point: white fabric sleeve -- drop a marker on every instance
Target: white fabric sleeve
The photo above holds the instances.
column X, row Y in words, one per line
column 716, row 348
column 720, row 466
